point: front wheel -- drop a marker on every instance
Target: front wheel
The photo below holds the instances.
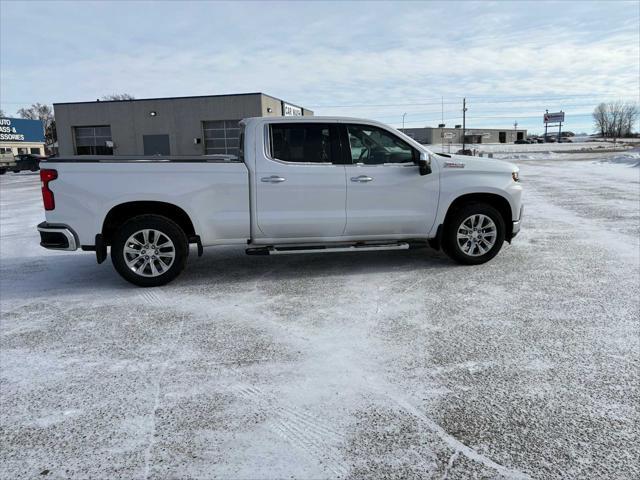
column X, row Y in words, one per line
column 474, row 234
column 149, row 250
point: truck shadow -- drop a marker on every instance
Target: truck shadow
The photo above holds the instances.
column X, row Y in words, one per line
column 73, row 273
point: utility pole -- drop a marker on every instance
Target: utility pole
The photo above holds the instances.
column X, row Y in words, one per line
column 515, row 130
column 442, row 100
column 403, row 115
column 464, row 123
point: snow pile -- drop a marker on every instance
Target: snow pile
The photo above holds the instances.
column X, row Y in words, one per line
column 528, row 156
column 630, row 157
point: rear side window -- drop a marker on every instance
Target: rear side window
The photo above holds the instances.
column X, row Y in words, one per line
column 302, row 142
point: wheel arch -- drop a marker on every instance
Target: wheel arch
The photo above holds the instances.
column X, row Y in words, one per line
column 125, row 211
column 500, row 203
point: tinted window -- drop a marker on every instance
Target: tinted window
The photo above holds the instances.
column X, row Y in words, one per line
column 301, row 142
column 375, row 146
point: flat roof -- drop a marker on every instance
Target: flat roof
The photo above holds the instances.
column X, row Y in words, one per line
column 176, row 98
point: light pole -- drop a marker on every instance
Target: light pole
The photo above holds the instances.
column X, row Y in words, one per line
column 515, row 130
column 464, row 123
column 403, row 115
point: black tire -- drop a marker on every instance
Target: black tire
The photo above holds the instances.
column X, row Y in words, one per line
column 474, row 256
column 169, row 229
column 3, row 171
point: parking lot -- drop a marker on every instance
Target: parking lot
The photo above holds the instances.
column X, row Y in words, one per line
column 383, row 364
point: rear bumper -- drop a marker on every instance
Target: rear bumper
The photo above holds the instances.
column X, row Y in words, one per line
column 57, row 237
column 516, row 224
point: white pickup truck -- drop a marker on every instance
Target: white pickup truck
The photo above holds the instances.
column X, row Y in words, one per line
column 298, row 185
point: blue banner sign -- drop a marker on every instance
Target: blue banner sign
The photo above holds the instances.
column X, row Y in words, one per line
column 21, row 130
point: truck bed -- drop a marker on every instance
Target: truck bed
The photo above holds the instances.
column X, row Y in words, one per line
column 212, row 190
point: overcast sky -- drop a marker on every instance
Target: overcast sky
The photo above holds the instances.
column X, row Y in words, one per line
column 378, row 60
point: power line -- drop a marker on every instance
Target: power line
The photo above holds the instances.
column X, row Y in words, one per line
column 494, row 100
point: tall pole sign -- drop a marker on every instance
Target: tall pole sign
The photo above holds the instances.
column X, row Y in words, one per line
column 553, row 118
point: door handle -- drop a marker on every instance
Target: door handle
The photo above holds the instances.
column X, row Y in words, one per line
column 272, row 179
column 362, row 179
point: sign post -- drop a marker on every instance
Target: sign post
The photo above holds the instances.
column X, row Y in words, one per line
column 556, row 117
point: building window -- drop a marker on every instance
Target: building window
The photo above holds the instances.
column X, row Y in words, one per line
column 221, row 137
column 93, row 140
column 35, row 151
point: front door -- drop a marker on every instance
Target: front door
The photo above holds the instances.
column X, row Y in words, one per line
column 386, row 195
column 300, row 182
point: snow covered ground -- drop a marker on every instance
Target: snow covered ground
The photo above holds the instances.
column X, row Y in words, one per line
column 365, row 365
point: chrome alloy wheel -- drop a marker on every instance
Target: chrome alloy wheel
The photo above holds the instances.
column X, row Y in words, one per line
column 149, row 253
column 477, row 235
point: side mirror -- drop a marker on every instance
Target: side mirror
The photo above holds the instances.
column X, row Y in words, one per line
column 424, row 163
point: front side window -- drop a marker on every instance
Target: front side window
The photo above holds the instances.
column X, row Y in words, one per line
column 374, row 146
column 93, row 140
column 301, row 142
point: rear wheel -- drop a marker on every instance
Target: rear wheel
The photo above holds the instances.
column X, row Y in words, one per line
column 474, row 234
column 149, row 250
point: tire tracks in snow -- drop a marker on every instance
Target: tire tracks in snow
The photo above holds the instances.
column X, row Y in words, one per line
column 314, row 436
column 456, row 445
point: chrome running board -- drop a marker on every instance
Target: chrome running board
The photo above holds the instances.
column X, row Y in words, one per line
column 292, row 249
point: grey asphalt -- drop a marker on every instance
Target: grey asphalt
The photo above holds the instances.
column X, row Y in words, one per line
column 370, row 365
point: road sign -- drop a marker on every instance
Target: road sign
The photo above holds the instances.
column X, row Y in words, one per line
column 556, row 117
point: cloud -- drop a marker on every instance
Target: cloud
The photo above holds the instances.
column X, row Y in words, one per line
column 319, row 54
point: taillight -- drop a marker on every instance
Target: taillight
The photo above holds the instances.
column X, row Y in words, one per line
column 46, row 176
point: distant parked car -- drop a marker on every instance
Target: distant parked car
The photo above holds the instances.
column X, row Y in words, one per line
column 521, row 141
column 550, row 139
column 7, row 162
column 566, row 140
column 27, row 161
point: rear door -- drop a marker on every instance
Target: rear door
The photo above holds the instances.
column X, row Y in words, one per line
column 300, row 182
column 386, row 195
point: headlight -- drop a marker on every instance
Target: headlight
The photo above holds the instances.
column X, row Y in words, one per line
column 515, row 176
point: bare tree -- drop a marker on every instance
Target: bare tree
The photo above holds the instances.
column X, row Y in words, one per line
column 44, row 113
column 600, row 119
column 1, row 113
column 615, row 119
column 118, row 96
column 631, row 114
